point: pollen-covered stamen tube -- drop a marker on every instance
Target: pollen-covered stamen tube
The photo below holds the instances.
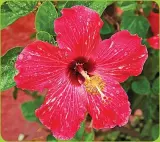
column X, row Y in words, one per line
column 82, row 72
column 94, row 84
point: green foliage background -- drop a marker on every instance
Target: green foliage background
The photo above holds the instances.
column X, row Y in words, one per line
column 143, row 90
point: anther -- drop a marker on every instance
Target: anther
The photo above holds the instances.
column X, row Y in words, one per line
column 94, row 84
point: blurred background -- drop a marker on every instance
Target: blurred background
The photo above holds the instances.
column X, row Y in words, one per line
column 139, row 17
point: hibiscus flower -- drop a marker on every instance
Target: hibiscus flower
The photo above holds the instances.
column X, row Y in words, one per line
column 82, row 75
column 153, row 19
column 154, row 42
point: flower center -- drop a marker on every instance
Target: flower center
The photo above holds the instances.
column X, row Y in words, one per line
column 81, row 72
column 76, row 78
column 93, row 84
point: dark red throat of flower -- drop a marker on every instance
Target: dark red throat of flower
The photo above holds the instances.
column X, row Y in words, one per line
column 77, row 67
column 80, row 70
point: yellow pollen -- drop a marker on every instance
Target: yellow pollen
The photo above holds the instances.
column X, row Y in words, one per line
column 94, row 85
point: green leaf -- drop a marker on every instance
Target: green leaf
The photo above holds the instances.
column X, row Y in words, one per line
column 156, row 53
column 88, row 137
column 107, row 28
column 127, row 5
column 69, row 4
column 138, row 101
column 113, row 135
column 80, row 132
column 7, row 16
column 127, row 84
column 151, row 67
column 141, row 86
column 61, row 5
column 45, row 17
column 98, row 6
column 156, row 86
column 21, row 7
column 44, row 36
column 4, row 7
column 28, row 108
column 135, row 24
column 50, row 138
column 147, row 7
column 154, row 105
column 149, row 107
column 155, row 131
column 12, row 10
column 147, row 129
column 8, row 70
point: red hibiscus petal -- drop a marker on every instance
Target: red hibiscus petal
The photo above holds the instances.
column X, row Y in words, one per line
column 154, row 42
column 40, row 65
column 153, row 19
column 121, row 56
column 115, row 110
column 78, row 30
column 63, row 110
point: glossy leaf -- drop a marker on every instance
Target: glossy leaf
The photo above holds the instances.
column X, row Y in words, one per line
column 28, row 108
column 156, row 86
column 61, row 5
column 98, row 6
column 127, row 5
column 151, row 67
column 147, row 128
column 45, row 17
column 138, row 101
column 72, row 3
column 107, row 28
column 147, row 7
column 50, row 138
column 149, row 107
column 88, row 137
column 44, row 36
column 12, row 10
column 8, row 70
column 7, row 16
column 155, row 131
column 141, row 86
column 21, row 7
column 135, row 24
column 80, row 132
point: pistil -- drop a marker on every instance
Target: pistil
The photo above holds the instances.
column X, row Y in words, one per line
column 102, row 94
column 93, row 84
column 82, row 72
